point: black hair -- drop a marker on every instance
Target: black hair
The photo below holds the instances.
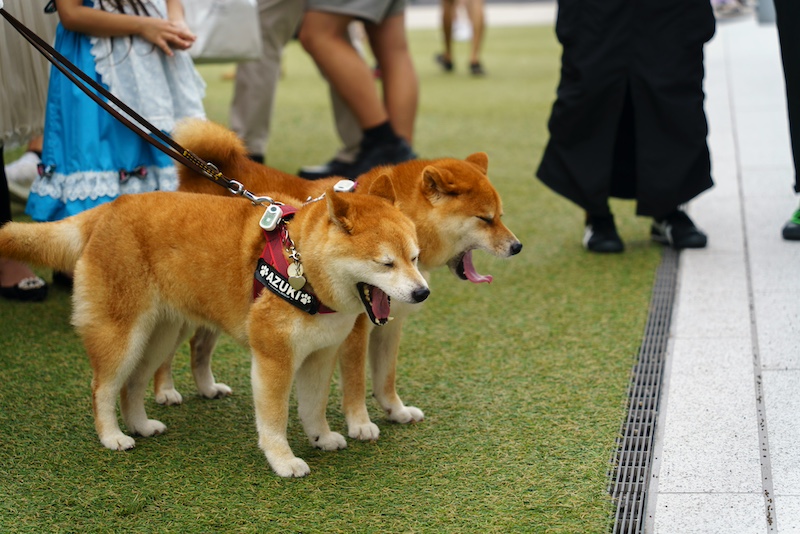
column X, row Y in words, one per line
column 139, row 7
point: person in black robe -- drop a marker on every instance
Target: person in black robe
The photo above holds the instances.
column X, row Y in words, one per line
column 628, row 121
column 787, row 16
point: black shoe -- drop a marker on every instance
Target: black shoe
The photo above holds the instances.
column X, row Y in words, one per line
column 32, row 289
column 601, row 235
column 791, row 230
column 476, row 69
column 376, row 155
column 334, row 167
column 446, row 64
column 678, row 231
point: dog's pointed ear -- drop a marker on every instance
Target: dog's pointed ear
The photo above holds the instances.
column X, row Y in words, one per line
column 481, row 159
column 437, row 182
column 384, row 188
column 339, row 209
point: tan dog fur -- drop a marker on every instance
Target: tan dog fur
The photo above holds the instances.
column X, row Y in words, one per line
column 454, row 207
column 150, row 268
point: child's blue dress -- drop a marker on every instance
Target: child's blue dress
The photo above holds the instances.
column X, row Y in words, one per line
column 89, row 157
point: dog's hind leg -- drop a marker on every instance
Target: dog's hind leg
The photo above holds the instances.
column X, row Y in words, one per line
column 114, row 353
column 353, row 365
column 313, row 384
column 104, row 406
column 202, row 345
column 384, row 347
column 162, row 342
column 114, row 349
column 163, row 385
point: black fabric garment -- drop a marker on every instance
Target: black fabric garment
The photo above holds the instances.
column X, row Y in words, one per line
column 787, row 16
column 5, row 197
column 628, row 120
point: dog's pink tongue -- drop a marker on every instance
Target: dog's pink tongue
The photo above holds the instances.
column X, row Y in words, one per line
column 470, row 272
column 380, row 304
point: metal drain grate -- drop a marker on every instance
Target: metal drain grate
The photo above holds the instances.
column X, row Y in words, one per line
column 630, row 471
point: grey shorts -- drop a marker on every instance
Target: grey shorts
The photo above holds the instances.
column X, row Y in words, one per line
column 367, row 10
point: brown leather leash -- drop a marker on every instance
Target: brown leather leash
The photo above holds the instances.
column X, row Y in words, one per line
column 143, row 129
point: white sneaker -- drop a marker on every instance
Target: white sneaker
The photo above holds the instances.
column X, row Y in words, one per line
column 462, row 30
column 21, row 174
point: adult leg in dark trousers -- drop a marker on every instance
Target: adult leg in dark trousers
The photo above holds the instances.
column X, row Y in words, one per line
column 788, row 20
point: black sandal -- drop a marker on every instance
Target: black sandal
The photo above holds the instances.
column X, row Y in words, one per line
column 446, row 64
column 477, row 69
column 31, row 289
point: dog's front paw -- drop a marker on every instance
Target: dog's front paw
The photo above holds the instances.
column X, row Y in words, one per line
column 169, row 397
column 332, row 441
column 217, row 390
column 294, row 467
column 406, row 414
column 118, row 442
column 365, row 432
column 149, row 427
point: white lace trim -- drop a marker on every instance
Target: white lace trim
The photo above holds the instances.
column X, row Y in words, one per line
column 161, row 89
column 94, row 185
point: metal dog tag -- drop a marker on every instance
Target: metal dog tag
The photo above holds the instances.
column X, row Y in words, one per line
column 296, row 278
column 271, row 218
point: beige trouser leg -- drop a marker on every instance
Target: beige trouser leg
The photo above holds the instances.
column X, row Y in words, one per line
column 257, row 80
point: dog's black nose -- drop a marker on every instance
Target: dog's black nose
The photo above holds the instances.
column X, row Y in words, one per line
column 516, row 248
column 420, row 294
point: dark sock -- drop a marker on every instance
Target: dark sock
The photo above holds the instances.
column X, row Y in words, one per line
column 382, row 134
column 598, row 217
column 37, row 152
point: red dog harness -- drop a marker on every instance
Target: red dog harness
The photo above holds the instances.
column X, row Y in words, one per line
column 272, row 270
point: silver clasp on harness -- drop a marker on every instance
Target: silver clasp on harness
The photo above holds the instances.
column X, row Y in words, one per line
column 237, row 188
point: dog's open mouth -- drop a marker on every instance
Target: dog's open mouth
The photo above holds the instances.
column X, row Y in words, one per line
column 463, row 268
column 376, row 302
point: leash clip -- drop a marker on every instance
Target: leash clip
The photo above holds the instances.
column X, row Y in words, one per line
column 260, row 201
column 235, row 187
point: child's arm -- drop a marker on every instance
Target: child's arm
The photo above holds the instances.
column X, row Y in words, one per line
column 165, row 34
column 175, row 10
column 175, row 13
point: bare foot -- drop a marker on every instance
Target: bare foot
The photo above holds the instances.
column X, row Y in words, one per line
column 12, row 272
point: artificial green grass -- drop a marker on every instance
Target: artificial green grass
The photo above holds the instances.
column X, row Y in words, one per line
column 523, row 382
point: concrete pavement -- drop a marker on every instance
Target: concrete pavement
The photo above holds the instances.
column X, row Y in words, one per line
column 728, row 436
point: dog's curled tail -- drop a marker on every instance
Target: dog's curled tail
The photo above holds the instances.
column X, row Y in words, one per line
column 53, row 244
column 213, row 143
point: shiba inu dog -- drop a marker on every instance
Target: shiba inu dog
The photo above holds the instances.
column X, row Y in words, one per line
column 455, row 209
column 150, row 268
